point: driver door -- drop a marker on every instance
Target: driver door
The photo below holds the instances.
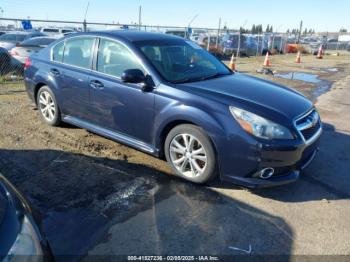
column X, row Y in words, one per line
column 118, row 106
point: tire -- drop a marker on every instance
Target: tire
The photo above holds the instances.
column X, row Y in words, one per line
column 52, row 114
column 197, row 161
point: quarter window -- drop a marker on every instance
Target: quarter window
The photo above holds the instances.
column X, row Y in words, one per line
column 57, row 52
column 78, row 52
column 114, row 58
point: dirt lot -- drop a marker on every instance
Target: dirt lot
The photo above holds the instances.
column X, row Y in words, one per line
column 99, row 197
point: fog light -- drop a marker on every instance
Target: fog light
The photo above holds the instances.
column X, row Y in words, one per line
column 266, row 173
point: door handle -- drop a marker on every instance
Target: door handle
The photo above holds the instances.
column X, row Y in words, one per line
column 96, row 84
column 54, row 72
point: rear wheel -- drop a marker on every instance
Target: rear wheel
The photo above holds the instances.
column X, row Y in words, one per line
column 190, row 153
column 48, row 107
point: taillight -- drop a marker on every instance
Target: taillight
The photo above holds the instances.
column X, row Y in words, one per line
column 27, row 63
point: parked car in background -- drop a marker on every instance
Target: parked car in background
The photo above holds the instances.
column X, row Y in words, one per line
column 215, row 43
column 30, row 46
column 20, row 234
column 205, row 119
column 196, row 34
column 230, row 44
column 177, row 32
column 12, row 39
column 52, row 31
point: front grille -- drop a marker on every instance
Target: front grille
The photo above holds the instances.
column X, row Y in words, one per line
column 309, row 125
column 310, row 132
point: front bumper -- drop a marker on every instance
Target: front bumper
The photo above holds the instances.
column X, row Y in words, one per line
column 288, row 159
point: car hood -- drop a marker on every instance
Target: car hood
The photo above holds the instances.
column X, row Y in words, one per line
column 253, row 94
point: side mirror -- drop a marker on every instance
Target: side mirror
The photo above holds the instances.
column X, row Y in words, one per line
column 134, row 76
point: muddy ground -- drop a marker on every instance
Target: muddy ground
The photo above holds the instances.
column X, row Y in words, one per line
column 100, row 197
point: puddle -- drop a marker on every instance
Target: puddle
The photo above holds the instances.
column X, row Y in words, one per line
column 325, row 70
column 310, row 78
column 321, row 86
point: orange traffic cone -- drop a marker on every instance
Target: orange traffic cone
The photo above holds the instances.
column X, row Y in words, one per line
column 232, row 65
column 320, row 53
column 267, row 60
column 298, row 60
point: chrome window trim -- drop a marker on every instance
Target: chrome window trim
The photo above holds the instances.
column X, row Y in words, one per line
column 97, row 38
column 64, row 44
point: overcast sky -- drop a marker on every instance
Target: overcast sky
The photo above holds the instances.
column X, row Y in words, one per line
column 321, row 15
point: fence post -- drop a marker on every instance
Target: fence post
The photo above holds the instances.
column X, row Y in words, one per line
column 84, row 25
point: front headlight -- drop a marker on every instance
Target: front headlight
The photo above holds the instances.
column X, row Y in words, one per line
column 26, row 244
column 259, row 126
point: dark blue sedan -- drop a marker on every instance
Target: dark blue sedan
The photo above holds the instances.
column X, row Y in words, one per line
column 168, row 97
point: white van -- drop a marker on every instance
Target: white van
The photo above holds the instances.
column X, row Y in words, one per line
column 56, row 31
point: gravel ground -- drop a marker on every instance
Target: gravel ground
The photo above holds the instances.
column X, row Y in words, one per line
column 100, row 197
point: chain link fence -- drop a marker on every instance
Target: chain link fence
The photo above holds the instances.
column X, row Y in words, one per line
column 222, row 42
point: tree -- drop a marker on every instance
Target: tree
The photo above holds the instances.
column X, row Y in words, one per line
column 343, row 30
column 288, row 31
column 253, row 29
column 305, row 31
column 271, row 29
column 267, row 29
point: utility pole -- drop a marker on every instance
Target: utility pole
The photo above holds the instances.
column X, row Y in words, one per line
column 239, row 38
column 300, row 28
column 140, row 13
column 217, row 38
column 189, row 25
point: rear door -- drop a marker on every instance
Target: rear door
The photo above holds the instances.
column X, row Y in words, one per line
column 118, row 106
column 72, row 75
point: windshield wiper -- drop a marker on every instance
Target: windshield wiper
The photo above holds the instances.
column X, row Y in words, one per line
column 217, row 75
column 202, row 78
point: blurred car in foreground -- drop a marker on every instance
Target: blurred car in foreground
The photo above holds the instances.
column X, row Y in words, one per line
column 5, row 61
column 20, row 236
column 30, row 46
column 12, row 39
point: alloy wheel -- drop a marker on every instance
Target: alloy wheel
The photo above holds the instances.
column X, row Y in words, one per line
column 188, row 155
column 47, row 106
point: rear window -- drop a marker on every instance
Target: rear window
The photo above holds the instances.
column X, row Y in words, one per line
column 67, row 31
column 8, row 37
column 38, row 41
column 20, row 38
column 51, row 30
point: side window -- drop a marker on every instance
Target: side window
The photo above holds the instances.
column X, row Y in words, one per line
column 78, row 52
column 57, row 52
column 114, row 58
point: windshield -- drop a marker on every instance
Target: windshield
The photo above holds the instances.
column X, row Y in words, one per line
column 180, row 61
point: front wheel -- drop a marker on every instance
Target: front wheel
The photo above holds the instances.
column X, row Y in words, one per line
column 190, row 153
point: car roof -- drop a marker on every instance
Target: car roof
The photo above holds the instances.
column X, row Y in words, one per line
column 22, row 33
column 131, row 36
